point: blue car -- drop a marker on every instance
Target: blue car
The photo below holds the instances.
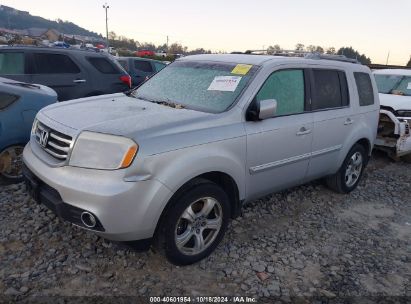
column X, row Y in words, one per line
column 19, row 104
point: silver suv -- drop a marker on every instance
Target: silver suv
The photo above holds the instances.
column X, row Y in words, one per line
column 179, row 156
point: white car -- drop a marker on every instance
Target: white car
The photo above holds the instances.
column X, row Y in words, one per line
column 394, row 87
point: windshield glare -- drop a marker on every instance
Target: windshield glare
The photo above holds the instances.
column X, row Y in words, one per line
column 394, row 84
column 204, row 86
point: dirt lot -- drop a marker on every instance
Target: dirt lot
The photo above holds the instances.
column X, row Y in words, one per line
column 307, row 242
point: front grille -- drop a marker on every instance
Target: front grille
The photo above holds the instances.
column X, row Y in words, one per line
column 53, row 142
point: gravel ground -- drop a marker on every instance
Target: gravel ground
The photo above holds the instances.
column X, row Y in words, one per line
column 306, row 242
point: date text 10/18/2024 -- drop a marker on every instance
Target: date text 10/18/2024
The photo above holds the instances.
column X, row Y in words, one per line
column 200, row 299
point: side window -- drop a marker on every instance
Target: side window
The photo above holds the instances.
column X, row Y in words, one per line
column 123, row 64
column 330, row 89
column 143, row 66
column 103, row 65
column 6, row 100
column 11, row 63
column 364, row 87
column 45, row 63
column 159, row 66
column 287, row 87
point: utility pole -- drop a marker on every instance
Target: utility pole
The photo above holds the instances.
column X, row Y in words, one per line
column 388, row 57
column 167, row 43
column 106, row 7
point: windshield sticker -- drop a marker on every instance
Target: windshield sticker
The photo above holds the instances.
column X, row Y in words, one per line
column 409, row 86
column 241, row 69
column 225, row 83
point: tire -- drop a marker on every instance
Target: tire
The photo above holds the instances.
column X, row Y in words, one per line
column 11, row 160
column 187, row 220
column 353, row 166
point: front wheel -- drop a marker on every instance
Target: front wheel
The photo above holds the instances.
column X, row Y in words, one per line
column 195, row 224
column 350, row 173
column 11, row 164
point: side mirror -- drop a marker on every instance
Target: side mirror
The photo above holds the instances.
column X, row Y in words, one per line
column 262, row 109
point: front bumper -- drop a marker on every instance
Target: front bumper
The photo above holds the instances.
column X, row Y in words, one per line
column 397, row 140
column 125, row 211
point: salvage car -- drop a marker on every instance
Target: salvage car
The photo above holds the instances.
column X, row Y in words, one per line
column 394, row 136
column 179, row 156
column 19, row 104
column 140, row 69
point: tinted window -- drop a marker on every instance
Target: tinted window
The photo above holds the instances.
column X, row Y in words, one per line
column 123, row 64
column 287, row 87
column 54, row 64
column 144, row 66
column 103, row 65
column 159, row 66
column 364, row 87
column 6, row 100
column 11, row 63
column 330, row 89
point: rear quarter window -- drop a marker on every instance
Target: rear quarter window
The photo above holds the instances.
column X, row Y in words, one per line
column 46, row 63
column 364, row 87
column 7, row 100
column 103, row 65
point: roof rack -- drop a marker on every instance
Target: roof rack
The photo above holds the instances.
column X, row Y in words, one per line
column 303, row 54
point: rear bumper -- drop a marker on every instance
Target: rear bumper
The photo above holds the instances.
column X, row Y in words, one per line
column 398, row 138
column 125, row 211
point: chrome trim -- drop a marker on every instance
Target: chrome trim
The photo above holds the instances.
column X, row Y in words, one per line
column 61, row 138
column 286, row 161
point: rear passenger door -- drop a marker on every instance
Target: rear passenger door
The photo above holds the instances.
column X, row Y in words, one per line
column 333, row 119
column 59, row 72
column 141, row 70
column 13, row 65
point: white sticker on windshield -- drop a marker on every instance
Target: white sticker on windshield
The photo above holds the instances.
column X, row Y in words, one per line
column 225, row 83
column 409, row 86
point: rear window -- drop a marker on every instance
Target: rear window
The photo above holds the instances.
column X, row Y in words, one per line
column 103, row 65
column 11, row 63
column 124, row 64
column 330, row 89
column 144, row 66
column 45, row 63
column 6, row 100
column 364, row 87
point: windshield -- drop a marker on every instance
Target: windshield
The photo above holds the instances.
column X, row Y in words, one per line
column 394, row 84
column 204, row 86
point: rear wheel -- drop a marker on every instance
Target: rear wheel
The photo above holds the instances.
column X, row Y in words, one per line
column 196, row 223
column 11, row 164
column 350, row 173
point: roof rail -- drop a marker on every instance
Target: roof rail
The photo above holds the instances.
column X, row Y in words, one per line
column 303, row 54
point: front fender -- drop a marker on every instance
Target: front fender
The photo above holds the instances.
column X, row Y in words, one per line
column 175, row 168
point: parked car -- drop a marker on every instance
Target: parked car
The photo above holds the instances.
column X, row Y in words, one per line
column 140, row 69
column 19, row 104
column 394, row 136
column 71, row 73
column 180, row 155
column 145, row 53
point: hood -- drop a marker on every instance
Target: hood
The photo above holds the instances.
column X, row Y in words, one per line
column 396, row 102
column 117, row 114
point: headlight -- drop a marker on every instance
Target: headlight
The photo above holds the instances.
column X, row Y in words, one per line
column 103, row 151
column 404, row 113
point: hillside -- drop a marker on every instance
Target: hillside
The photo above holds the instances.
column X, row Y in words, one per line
column 11, row 18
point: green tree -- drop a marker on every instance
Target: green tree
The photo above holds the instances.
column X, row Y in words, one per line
column 72, row 41
column 299, row 47
column 349, row 52
column 330, row 50
column 272, row 49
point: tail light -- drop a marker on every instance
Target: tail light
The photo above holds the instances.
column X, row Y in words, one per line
column 126, row 79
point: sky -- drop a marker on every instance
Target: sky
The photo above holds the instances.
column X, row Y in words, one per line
column 373, row 27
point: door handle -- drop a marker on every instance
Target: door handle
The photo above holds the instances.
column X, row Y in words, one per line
column 79, row 80
column 303, row 131
column 348, row 121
